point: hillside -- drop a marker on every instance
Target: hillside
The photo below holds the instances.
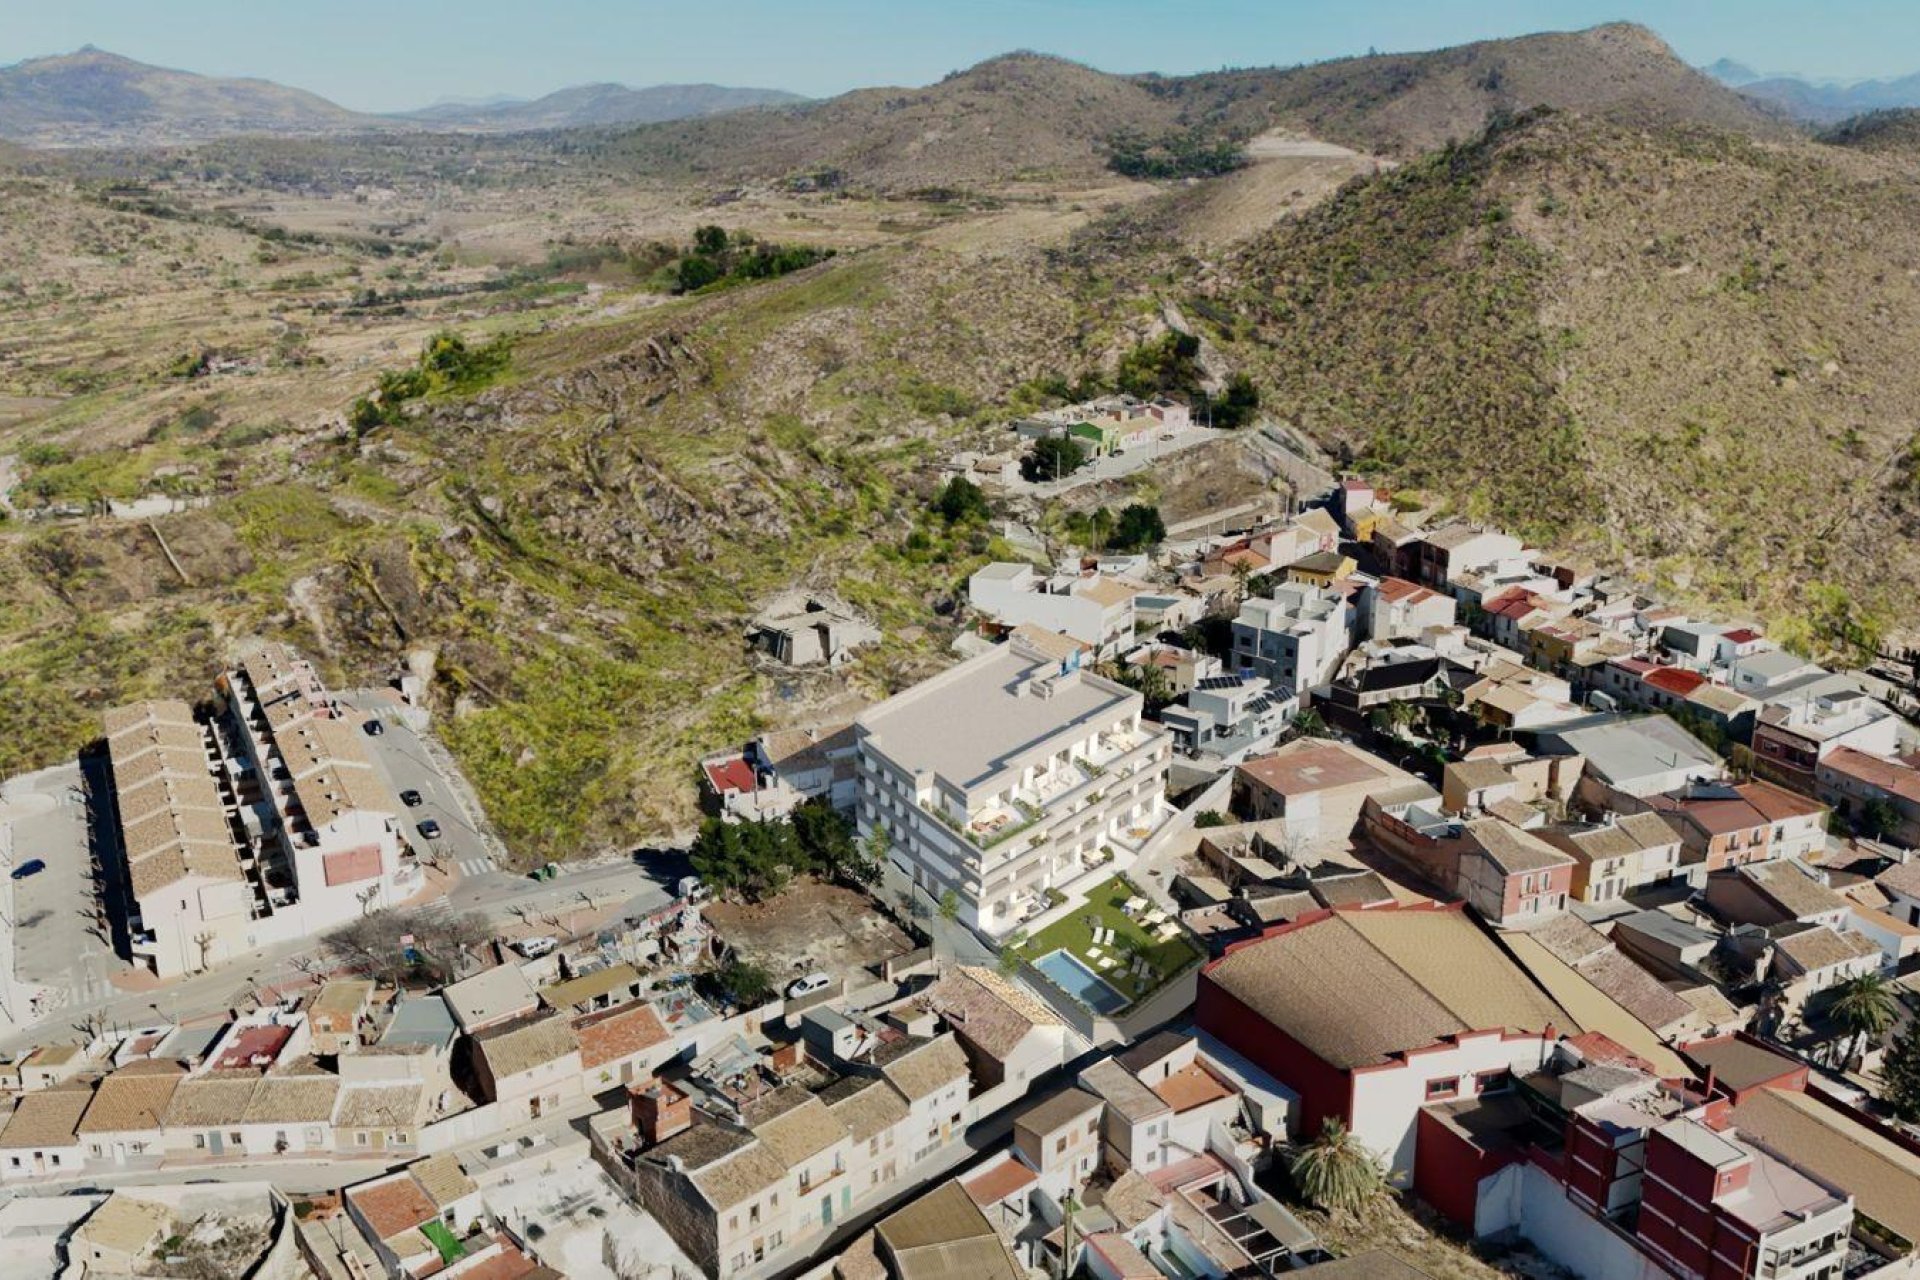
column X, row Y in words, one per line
column 601, row 104
column 95, row 98
column 1679, row 349
column 1028, row 117
column 1889, row 132
column 1820, row 103
column 1409, row 102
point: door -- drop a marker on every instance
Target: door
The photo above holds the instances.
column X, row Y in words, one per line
column 826, row 1209
column 216, row 1142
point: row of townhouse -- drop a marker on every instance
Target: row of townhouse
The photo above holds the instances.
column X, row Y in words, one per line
column 256, row 820
column 1145, row 1166
column 749, row 1159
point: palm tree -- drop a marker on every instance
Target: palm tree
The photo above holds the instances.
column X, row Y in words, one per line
column 1863, row 1007
column 1336, row 1172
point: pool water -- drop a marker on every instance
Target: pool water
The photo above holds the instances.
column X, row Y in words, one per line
column 1071, row 974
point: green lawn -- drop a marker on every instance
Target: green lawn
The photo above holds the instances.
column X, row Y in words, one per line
column 1074, row 934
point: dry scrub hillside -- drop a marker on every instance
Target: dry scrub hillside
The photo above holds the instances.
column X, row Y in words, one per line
column 1692, row 352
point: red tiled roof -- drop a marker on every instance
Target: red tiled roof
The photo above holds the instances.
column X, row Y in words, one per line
column 730, row 775
column 614, row 1034
column 999, row 1182
column 253, row 1047
column 1740, row 635
column 1600, row 1049
column 1400, row 588
column 1674, row 680
column 351, row 866
column 393, row 1205
column 1892, row 776
column 1513, row 603
column 1634, row 666
column 1777, row 803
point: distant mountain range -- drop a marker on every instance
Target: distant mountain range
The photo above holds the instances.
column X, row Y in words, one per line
column 1815, row 100
column 95, row 98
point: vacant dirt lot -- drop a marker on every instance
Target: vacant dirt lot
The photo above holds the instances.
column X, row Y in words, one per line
column 811, row 926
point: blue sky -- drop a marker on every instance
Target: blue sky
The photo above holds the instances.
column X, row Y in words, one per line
column 380, row 55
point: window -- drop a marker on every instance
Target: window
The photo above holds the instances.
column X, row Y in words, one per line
column 1093, row 1125
column 1443, row 1087
column 1498, row 1080
column 199, row 1141
column 1059, row 1144
column 733, row 1222
column 753, row 1215
column 234, row 1138
column 362, row 1138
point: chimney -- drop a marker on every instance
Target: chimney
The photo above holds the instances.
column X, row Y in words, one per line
column 659, row 1110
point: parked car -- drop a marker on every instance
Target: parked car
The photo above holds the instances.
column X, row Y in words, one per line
column 534, row 948
column 430, row 829
column 31, row 867
column 374, row 728
column 410, row 798
column 806, row 986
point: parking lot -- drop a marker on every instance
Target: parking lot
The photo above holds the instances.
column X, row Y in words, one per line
column 410, row 763
column 62, row 951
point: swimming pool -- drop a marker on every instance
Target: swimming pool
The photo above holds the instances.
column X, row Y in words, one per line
column 1071, row 974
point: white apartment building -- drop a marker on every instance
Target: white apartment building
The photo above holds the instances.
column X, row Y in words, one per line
column 1295, row 638
column 1094, row 609
column 1008, row 776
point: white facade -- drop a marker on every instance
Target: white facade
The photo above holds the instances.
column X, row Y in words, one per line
column 1387, row 1099
column 1005, row 777
column 1092, row 608
column 1295, row 638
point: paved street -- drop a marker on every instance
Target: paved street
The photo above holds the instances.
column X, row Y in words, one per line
column 410, row 762
column 62, row 956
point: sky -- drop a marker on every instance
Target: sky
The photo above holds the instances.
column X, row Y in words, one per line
column 387, row 55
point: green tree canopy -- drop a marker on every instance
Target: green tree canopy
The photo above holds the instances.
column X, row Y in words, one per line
column 1138, row 528
column 961, row 501
column 1336, row 1172
column 1052, row 458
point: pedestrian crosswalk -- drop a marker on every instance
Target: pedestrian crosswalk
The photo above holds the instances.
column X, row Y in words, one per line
column 473, row 866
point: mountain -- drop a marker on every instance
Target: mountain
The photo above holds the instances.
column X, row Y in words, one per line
column 1732, row 74
column 97, row 98
column 600, row 104
column 1675, row 349
column 1027, row 117
column 1819, row 101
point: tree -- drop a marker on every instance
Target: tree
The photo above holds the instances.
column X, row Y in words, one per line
column 949, row 905
column 1310, row 724
column 710, row 240
column 1236, row 404
column 1863, row 1007
column 1336, row 1172
column 1052, row 458
column 1138, row 528
column 1010, row 959
column 753, row 859
column 1878, row 818
column 696, row 272
column 1209, row 818
column 1900, row 1075
column 749, row 984
column 961, row 501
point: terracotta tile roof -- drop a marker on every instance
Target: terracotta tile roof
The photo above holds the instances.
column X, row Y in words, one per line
column 133, row 1098
column 999, row 1182
column 392, row 1205
column 986, row 1010
column 47, row 1118
column 292, row 1100
column 802, row 1132
column 1791, row 889
column 1512, row 850
column 1891, row 776
column 927, row 1068
column 731, row 775
column 1132, row 1199
column 1056, row 1111
column 1674, row 680
column 207, row 1101
column 1133, row 1101
column 1409, row 977
column 612, row 1035
column 740, row 1176
column 442, row 1178
column 872, row 1107
column 380, row 1106
column 525, row 1043
column 1191, row 1086
column 1812, row 950
column 944, row 1236
column 1311, row 765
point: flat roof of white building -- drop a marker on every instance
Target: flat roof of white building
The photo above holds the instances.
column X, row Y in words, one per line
column 970, row 722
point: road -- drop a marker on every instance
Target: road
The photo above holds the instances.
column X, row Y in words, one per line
column 412, row 762
column 498, row 895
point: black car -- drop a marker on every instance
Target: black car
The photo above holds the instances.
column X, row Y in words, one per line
column 31, row 867
column 410, row 798
column 430, row 829
column 374, row 728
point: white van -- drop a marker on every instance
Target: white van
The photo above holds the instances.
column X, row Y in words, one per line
column 806, row 986
column 534, row 948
